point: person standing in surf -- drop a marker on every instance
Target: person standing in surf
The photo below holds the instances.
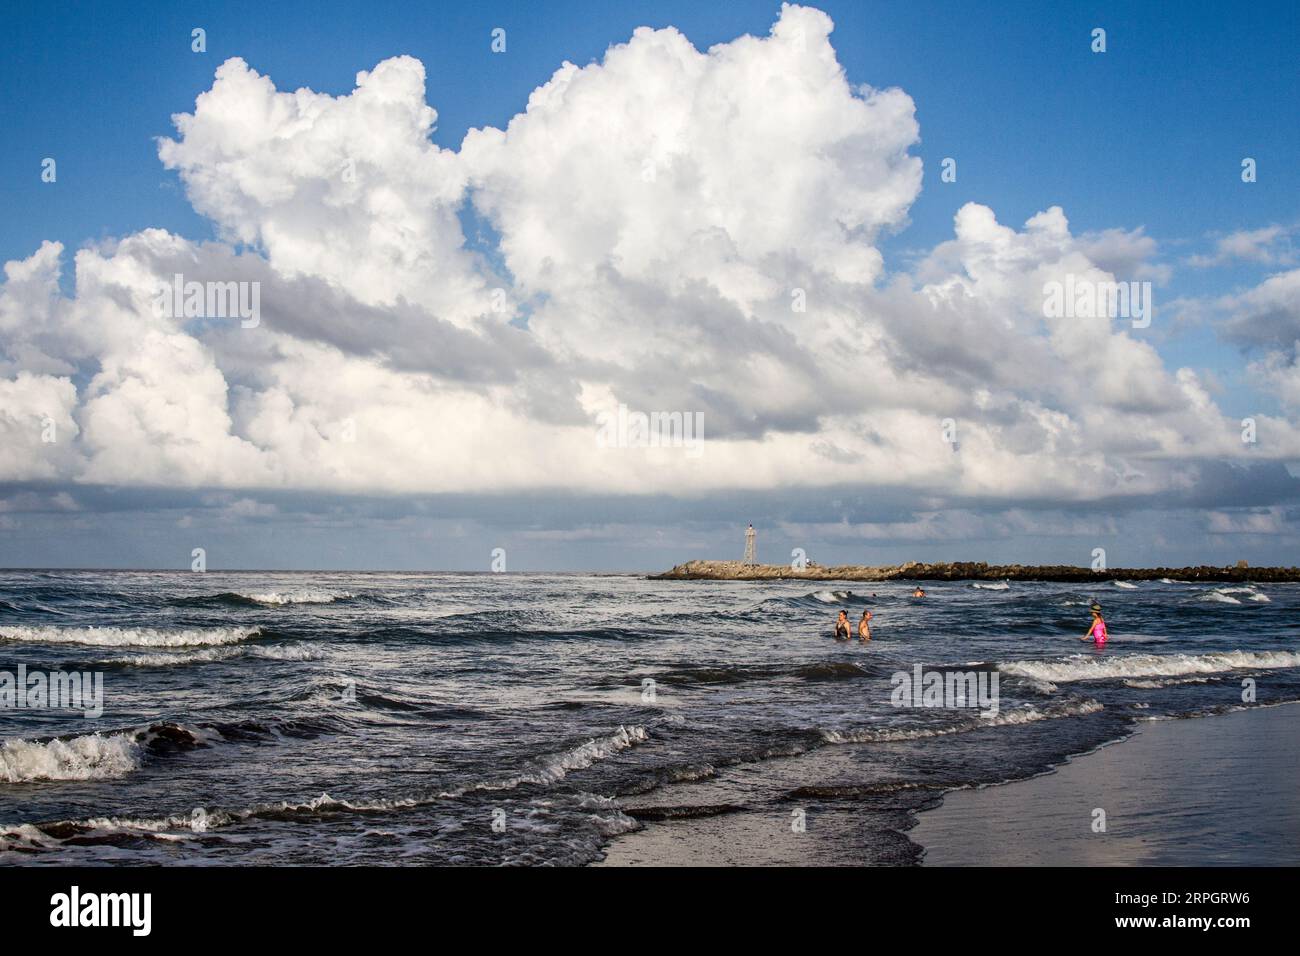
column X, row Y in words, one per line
column 864, row 626
column 842, row 626
column 1097, row 633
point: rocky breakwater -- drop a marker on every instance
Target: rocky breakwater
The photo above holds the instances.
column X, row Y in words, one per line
column 967, row 571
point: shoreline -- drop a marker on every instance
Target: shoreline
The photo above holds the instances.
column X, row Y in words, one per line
column 1213, row 790
column 971, row 571
column 1210, row 790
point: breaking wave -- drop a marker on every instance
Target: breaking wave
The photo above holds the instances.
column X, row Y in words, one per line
column 1148, row 665
column 1020, row 715
column 302, row 596
column 556, row 767
column 128, row 636
column 208, row 655
column 90, row 756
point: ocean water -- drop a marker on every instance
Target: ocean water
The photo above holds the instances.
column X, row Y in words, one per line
column 346, row 718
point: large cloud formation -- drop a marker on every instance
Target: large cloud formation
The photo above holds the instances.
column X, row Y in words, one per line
column 673, row 230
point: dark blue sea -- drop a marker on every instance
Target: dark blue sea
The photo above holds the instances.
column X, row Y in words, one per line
column 344, row 718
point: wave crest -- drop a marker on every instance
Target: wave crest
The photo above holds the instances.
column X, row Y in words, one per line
column 1080, row 667
column 91, row 757
column 1020, row 715
column 128, row 636
column 298, row 596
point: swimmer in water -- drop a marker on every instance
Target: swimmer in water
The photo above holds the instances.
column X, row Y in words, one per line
column 1097, row 633
column 842, row 627
column 864, row 626
column 919, row 592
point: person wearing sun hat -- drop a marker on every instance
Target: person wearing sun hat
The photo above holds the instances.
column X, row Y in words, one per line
column 1097, row 632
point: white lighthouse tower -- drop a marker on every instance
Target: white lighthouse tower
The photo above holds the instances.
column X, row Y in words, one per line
column 749, row 546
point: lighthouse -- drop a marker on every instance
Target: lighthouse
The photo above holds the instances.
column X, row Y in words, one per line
column 749, row 545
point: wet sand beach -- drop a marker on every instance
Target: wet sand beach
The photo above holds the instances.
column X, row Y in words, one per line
column 1218, row 790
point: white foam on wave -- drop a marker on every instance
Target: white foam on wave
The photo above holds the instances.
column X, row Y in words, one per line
column 1019, row 715
column 281, row 652
column 1250, row 592
column 995, row 586
column 602, row 812
column 1219, row 597
column 179, row 826
column 606, row 814
column 1044, row 687
column 831, row 597
column 285, row 652
column 91, row 757
column 165, row 659
column 1126, row 585
column 554, row 768
column 128, row 636
column 1225, row 595
column 298, row 596
column 1080, row 667
column 1157, row 683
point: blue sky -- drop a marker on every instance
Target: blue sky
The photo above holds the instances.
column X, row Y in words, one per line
column 1148, row 135
column 1033, row 117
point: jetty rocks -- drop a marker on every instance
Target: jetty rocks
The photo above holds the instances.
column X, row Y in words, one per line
column 965, row 571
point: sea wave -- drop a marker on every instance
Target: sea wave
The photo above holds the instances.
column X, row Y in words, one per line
column 28, row 838
column 551, row 769
column 262, row 599
column 208, row 655
column 1080, row 667
column 131, row 745
column 91, row 757
column 995, row 586
column 1160, row 682
column 1225, row 595
column 99, row 756
column 743, row 674
column 128, row 636
column 692, row 811
column 1219, row 598
column 1019, row 715
column 299, row 596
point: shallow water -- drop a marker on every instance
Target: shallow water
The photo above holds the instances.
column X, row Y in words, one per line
column 458, row 718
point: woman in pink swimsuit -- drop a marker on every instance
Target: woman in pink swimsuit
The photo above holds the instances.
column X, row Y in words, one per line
column 1097, row 633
